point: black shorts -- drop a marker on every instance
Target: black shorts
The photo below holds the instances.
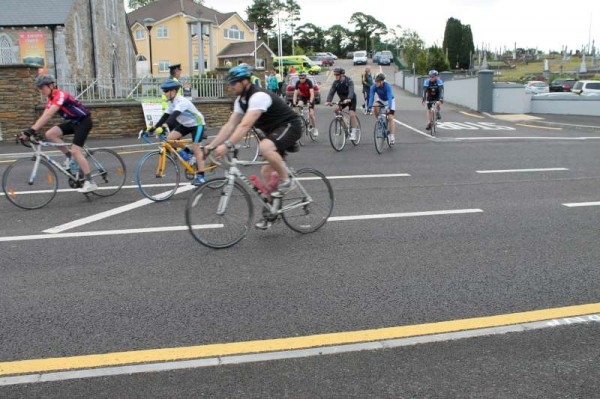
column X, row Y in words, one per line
column 79, row 129
column 285, row 136
column 196, row 131
column 351, row 106
column 429, row 99
column 306, row 100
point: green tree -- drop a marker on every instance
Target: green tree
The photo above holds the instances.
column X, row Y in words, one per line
column 436, row 59
column 367, row 27
column 458, row 42
column 261, row 14
column 337, row 39
column 310, row 37
column 412, row 48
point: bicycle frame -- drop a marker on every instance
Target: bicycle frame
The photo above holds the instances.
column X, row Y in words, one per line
column 166, row 147
column 39, row 154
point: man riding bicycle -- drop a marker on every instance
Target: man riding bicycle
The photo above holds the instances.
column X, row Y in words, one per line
column 433, row 92
column 344, row 87
column 78, row 121
column 255, row 107
column 305, row 93
column 386, row 98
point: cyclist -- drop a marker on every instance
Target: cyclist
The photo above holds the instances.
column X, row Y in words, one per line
column 78, row 122
column 433, row 90
column 182, row 118
column 267, row 112
column 305, row 93
column 344, row 87
column 367, row 82
column 175, row 74
column 386, row 98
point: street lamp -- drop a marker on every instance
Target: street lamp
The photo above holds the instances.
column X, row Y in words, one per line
column 149, row 23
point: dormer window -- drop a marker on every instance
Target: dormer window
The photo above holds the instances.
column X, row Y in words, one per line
column 234, row 33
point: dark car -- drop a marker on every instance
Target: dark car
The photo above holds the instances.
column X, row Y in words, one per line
column 291, row 85
column 384, row 59
column 560, row 85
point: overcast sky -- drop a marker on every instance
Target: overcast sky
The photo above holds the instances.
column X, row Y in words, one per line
column 496, row 23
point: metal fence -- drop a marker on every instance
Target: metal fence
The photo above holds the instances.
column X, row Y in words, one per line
column 107, row 90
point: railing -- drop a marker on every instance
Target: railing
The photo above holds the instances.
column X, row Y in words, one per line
column 106, row 90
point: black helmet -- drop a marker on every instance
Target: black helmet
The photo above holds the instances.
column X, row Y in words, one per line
column 380, row 77
column 170, row 84
column 337, row 70
column 42, row 80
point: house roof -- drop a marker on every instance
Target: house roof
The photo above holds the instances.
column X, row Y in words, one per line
column 162, row 9
column 36, row 12
column 240, row 49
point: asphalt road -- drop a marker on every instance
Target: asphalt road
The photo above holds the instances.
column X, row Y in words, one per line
column 473, row 223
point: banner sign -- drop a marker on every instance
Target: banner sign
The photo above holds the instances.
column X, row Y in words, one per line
column 33, row 49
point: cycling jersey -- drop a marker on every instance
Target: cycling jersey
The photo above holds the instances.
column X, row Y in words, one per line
column 275, row 112
column 68, row 107
column 304, row 87
column 189, row 115
column 433, row 91
column 384, row 93
column 344, row 89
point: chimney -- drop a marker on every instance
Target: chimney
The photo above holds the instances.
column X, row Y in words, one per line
column 181, row 3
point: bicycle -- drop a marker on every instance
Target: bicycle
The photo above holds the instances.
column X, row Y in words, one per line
column 219, row 213
column 432, row 109
column 381, row 131
column 339, row 129
column 31, row 183
column 162, row 172
column 249, row 145
column 307, row 127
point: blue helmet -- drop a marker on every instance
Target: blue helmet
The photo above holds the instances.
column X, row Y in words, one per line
column 170, row 84
column 433, row 73
column 239, row 72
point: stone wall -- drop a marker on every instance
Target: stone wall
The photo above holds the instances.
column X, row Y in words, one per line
column 18, row 98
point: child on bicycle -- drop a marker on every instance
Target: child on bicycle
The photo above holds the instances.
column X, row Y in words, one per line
column 386, row 98
column 78, row 121
column 433, row 92
column 182, row 118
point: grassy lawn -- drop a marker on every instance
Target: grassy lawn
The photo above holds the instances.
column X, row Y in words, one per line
column 569, row 68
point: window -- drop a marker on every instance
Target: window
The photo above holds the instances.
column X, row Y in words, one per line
column 162, row 32
column 163, row 66
column 233, row 33
column 6, row 50
column 260, row 63
column 78, row 42
column 139, row 34
column 110, row 18
column 196, row 65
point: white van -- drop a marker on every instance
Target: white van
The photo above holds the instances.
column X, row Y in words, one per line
column 359, row 57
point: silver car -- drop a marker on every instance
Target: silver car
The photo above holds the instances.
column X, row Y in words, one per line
column 536, row 87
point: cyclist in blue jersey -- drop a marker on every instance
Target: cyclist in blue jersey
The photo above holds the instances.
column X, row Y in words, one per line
column 433, row 90
column 385, row 98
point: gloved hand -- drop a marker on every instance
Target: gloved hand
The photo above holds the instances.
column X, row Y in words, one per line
column 29, row 132
column 150, row 128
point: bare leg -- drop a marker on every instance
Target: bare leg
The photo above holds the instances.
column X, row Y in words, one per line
column 269, row 151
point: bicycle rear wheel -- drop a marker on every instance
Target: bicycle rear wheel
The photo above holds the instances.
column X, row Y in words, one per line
column 337, row 135
column 26, row 189
column 249, row 149
column 358, row 132
column 155, row 181
column 380, row 133
column 218, row 220
column 305, row 216
column 108, row 170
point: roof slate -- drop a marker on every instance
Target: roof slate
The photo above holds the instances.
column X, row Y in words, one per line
column 35, row 12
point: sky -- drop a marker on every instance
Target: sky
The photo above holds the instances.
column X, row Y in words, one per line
column 495, row 24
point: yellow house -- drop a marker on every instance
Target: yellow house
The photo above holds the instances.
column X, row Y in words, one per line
column 165, row 33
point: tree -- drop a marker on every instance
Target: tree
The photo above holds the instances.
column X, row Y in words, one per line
column 135, row 4
column 311, row 37
column 366, row 27
column 261, row 14
column 458, row 42
column 291, row 16
column 337, row 39
column 436, row 59
column 412, row 48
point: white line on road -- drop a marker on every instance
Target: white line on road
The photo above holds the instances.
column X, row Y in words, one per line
column 414, row 129
column 358, row 176
column 181, row 228
column 581, row 204
column 526, row 138
column 521, row 170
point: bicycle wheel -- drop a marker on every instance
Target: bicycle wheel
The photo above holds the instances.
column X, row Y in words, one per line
column 26, row 189
column 108, row 170
column 215, row 227
column 358, row 132
column 305, row 131
column 433, row 122
column 155, row 182
column 337, row 135
column 304, row 217
column 249, row 150
column 380, row 134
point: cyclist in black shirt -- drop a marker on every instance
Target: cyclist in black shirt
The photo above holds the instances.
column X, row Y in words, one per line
column 344, row 87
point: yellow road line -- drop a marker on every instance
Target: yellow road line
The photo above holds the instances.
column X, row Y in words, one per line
column 473, row 115
column 8, row 161
column 283, row 344
column 133, row 152
column 539, row 127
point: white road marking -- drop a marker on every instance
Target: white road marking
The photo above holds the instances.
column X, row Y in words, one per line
column 414, row 129
column 526, row 138
column 57, row 234
column 358, row 176
column 521, row 170
column 581, row 204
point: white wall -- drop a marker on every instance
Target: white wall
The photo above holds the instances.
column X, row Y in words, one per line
column 462, row 92
column 511, row 99
column 576, row 105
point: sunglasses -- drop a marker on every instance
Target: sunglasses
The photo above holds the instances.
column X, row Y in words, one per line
column 337, row 74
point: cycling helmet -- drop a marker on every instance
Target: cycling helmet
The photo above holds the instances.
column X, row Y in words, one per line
column 170, row 84
column 42, row 80
column 380, row 77
column 238, row 73
column 337, row 70
column 302, row 73
column 433, row 73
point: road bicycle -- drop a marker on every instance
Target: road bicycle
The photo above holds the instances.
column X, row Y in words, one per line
column 339, row 129
column 249, row 145
column 307, row 127
column 381, row 131
column 219, row 213
column 157, row 173
column 32, row 182
column 432, row 109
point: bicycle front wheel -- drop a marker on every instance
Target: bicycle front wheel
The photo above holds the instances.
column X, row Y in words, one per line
column 28, row 188
column 156, row 179
column 216, row 218
column 433, row 123
column 358, row 132
column 309, row 204
column 305, row 131
column 108, row 171
column 249, row 147
column 380, row 135
column 337, row 135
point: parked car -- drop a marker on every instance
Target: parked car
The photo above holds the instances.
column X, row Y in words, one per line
column 388, row 53
column 536, row 87
column 291, row 85
column 350, row 54
column 332, row 55
column 376, row 57
column 586, row 86
column 562, row 85
column 314, row 59
column 360, row 57
column 325, row 58
column 384, row 59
